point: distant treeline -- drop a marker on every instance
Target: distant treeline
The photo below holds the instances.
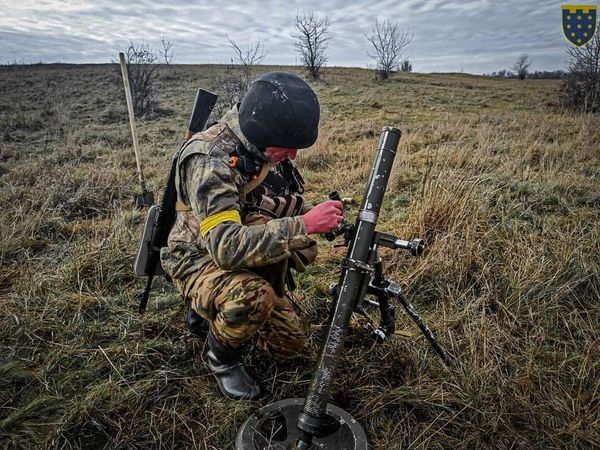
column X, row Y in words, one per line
column 538, row 74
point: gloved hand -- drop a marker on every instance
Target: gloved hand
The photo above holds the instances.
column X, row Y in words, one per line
column 324, row 217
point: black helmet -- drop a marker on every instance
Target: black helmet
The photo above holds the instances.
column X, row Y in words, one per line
column 280, row 110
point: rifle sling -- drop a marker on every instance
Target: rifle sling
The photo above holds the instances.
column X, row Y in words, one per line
column 249, row 187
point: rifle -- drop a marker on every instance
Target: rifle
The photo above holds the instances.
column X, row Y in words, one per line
column 312, row 422
column 160, row 218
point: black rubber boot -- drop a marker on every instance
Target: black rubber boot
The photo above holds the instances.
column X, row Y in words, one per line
column 197, row 324
column 226, row 365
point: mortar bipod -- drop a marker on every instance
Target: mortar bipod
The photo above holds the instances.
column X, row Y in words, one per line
column 385, row 290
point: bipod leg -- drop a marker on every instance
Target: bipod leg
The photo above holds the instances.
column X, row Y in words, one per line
column 387, row 323
column 396, row 291
column 378, row 288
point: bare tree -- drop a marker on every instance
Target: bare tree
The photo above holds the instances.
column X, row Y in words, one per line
column 234, row 84
column 142, row 69
column 248, row 57
column 311, row 41
column 166, row 52
column 521, row 67
column 388, row 43
column 581, row 88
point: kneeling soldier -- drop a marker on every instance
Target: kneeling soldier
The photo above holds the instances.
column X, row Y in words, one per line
column 242, row 223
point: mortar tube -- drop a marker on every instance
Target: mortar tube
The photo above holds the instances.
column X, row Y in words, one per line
column 313, row 420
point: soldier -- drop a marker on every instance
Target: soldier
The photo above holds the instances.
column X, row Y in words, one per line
column 242, row 224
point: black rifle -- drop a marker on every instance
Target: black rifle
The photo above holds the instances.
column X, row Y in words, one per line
column 160, row 218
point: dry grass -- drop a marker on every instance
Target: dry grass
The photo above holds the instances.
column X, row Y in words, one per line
column 504, row 190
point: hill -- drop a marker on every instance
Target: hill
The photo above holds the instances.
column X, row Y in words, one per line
column 503, row 188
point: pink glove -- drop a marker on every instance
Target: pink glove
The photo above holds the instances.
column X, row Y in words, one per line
column 324, row 217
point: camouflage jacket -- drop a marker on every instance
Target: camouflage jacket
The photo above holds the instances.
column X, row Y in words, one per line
column 235, row 230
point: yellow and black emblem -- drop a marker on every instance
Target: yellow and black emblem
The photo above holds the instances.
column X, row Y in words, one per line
column 579, row 23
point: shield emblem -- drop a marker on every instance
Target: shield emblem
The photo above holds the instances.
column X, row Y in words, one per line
column 579, row 23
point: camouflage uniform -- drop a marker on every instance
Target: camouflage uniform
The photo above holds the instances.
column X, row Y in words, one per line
column 229, row 251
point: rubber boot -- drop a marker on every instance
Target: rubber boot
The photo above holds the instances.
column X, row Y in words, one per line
column 226, row 365
column 197, row 325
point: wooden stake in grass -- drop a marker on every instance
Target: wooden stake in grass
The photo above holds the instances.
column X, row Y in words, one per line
column 146, row 198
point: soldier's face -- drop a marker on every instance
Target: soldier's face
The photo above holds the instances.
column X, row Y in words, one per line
column 278, row 154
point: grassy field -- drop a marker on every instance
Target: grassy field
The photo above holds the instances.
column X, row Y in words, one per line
column 504, row 189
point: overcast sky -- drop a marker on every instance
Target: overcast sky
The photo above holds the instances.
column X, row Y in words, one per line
column 475, row 36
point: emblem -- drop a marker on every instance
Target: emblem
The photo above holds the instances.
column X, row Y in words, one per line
column 579, row 23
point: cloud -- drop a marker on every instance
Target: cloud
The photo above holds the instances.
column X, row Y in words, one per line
column 475, row 35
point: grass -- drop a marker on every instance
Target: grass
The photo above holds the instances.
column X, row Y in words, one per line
column 503, row 188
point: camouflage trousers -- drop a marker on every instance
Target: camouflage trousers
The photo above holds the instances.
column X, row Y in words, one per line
column 242, row 305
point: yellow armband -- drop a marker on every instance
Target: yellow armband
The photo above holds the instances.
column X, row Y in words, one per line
column 212, row 221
